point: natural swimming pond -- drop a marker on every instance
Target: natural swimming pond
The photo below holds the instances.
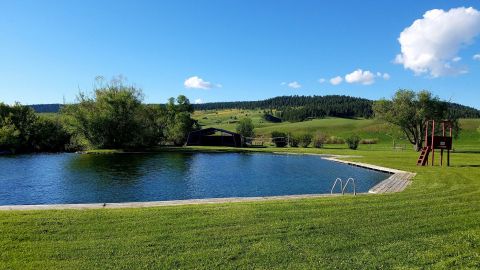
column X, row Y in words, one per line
column 74, row 178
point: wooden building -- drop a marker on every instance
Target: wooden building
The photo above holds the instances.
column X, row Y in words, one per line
column 214, row 137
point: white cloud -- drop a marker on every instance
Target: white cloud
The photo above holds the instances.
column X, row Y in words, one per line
column 476, row 57
column 336, row 80
column 359, row 76
column 322, row 80
column 196, row 82
column 456, row 59
column 198, row 101
column 294, row 85
column 431, row 44
column 386, row 76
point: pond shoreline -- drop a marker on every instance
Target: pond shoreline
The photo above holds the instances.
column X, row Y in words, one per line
column 397, row 182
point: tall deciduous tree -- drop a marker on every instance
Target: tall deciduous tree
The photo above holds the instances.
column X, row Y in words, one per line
column 411, row 110
column 245, row 128
column 115, row 117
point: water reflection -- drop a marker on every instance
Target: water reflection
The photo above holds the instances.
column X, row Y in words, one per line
column 73, row 178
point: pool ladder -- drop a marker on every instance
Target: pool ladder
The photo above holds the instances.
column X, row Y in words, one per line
column 344, row 187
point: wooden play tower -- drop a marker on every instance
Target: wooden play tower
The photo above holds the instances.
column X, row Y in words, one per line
column 433, row 141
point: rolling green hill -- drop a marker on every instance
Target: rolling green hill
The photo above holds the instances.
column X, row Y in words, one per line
column 341, row 127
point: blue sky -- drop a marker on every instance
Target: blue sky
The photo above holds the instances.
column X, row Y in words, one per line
column 238, row 50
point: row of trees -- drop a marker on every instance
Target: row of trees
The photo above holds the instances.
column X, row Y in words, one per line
column 114, row 116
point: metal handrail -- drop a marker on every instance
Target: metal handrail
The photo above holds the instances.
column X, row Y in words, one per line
column 335, row 183
column 346, row 184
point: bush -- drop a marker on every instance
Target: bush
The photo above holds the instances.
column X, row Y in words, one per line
column 335, row 140
column 293, row 140
column 305, row 140
column 319, row 140
column 369, row 141
column 279, row 138
column 353, row 142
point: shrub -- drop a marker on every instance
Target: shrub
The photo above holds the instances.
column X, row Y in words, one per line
column 353, row 142
column 319, row 140
column 279, row 138
column 305, row 139
column 369, row 141
column 293, row 141
column 335, row 140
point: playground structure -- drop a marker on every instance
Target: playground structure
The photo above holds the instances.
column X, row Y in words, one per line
column 433, row 141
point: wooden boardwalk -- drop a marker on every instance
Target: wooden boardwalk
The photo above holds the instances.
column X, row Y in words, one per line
column 397, row 182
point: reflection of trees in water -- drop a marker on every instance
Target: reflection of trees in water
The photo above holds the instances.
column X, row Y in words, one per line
column 131, row 167
column 126, row 167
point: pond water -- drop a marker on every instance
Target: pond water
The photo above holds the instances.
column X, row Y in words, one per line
column 75, row 178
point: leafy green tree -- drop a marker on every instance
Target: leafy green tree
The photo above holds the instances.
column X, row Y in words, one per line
column 18, row 127
column 109, row 119
column 293, row 140
column 246, row 128
column 9, row 136
column 50, row 135
column 305, row 139
column 410, row 111
column 178, row 121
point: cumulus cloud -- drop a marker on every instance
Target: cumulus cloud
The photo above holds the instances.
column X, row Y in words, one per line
column 476, row 57
column 294, row 85
column 431, row 44
column 386, row 76
column 196, row 82
column 359, row 76
column 198, row 101
column 322, row 80
column 336, row 80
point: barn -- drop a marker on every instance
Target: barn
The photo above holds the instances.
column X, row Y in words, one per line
column 214, row 137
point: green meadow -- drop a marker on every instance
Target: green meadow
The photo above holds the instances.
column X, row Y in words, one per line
column 434, row 223
column 341, row 127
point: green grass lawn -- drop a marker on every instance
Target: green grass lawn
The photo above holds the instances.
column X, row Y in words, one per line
column 434, row 223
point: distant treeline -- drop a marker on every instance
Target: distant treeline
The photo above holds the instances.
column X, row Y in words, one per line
column 299, row 108
column 46, row 108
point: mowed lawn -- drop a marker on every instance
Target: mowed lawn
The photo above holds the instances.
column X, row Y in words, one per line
column 434, row 223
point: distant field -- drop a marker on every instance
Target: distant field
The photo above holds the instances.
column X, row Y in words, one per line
column 341, row 127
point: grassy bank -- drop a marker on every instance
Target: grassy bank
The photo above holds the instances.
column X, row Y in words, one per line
column 434, row 223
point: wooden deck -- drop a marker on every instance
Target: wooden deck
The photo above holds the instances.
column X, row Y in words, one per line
column 397, row 182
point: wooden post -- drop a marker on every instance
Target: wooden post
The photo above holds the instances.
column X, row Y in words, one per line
column 448, row 157
column 441, row 157
column 432, row 143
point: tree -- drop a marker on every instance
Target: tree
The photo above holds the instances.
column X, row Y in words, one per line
column 178, row 121
column 108, row 119
column 353, row 141
column 305, row 139
column 410, row 111
column 245, row 128
column 319, row 140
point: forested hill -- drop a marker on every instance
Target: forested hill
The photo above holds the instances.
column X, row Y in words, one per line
column 46, row 108
column 301, row 107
